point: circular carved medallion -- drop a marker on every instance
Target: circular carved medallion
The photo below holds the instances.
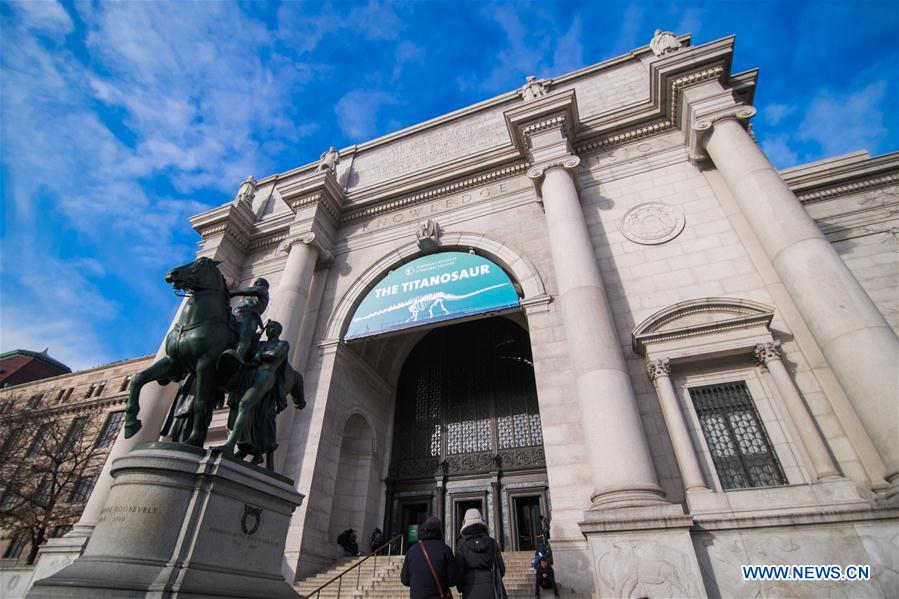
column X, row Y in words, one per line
column 652, row 223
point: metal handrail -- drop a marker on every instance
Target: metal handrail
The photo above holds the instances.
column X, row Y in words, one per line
column 373, row 554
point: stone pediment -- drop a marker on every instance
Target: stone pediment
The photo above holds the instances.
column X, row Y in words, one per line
column 700, row 317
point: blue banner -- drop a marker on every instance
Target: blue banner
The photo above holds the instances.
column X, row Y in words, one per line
column 432, row 289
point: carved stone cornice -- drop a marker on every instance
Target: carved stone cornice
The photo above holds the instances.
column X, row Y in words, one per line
column 849, row 188
column 234, row 220
column 557, row 110
column 657, row 368
column 765, row 352
column 318, row 189
column 624, row 137
column 718, row 315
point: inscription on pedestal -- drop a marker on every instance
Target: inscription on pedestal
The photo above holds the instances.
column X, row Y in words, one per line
column 119, row 513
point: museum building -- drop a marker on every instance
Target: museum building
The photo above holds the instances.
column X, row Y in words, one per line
column 593, row 299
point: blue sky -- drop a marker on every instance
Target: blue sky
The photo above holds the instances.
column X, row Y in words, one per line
column 120, row 120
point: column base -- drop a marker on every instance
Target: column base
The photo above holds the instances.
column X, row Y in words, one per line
column 56, row 554
column 643, row 552
column 628, row 496
column 183, row 522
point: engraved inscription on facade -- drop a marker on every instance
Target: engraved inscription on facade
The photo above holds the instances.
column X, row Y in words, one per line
column 425, row 211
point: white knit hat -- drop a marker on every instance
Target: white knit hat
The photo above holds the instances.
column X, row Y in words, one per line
column 473, row 516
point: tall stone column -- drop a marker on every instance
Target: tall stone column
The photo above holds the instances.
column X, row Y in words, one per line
column 858, row 343
column 622, row 472
column 687, row 462
column 768, row 355
column 316, row 201
column 621, row 465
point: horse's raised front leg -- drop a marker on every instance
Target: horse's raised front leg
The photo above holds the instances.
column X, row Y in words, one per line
column 161, row 369
column 201, row 405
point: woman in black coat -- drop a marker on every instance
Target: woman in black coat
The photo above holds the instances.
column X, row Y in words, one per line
column 477, row 555
column 416, row 573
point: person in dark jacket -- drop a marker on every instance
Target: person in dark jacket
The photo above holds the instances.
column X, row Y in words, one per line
column 546, row 578
column 376, row 539
column 416, row 573
column 477, row 555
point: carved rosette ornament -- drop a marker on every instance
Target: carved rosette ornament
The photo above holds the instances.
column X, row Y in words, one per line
column 657, row 368
column 652, row 223
column 765, row 352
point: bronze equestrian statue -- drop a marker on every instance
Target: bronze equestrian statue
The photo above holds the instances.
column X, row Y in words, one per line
column 194, row 350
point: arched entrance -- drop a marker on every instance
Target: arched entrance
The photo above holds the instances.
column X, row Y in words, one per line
column 357, row 488
column 467, row 433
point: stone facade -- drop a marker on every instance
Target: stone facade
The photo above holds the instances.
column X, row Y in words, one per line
column 659, row 256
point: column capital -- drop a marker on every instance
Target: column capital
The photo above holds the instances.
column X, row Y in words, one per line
column 702, row 127
column 312, row 240
column 765, row 352
column 657, row 368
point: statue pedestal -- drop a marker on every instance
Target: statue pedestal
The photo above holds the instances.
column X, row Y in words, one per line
column 183, row 522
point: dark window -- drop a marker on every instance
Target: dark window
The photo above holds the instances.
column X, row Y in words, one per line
column 9, row 496
column 111, row 428
column 73, row 435
column 82, row 489
column 40, row 439
column 127, row 381
column 64, row 395
column 34, row 401
column 9, row 444
column 90, row 390
column 42, row 493
column 101, row 386
column 59, row 531
column 15, row 548
column 736, row 437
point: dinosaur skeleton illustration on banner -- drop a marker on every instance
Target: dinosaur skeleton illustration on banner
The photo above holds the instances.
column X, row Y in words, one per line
column 429, row 302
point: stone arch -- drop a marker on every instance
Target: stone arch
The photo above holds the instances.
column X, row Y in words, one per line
column 514, row 263
column 355, row 501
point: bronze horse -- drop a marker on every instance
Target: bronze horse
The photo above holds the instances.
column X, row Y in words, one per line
column 192, row 347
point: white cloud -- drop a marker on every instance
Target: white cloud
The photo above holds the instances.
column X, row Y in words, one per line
column 844, row 122
column 45, row 16
column 357, row 112
column 569, row 52
column 778, row 150
column 775, row 113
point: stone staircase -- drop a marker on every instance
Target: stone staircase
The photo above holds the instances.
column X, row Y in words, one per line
column 372, row 572
column 383, row 581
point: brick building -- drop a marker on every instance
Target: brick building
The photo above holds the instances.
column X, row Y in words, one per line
column 98, row 393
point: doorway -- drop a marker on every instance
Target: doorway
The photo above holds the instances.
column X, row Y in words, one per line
column 527, row 525
column 414, row 515
column 461, row 506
